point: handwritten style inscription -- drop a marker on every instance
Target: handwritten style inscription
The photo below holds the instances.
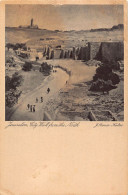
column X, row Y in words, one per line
column 117, row 124
column 48, row 124
column 43, row 124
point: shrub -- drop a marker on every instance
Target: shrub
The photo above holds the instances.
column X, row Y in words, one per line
column 102, row 86
column 14, row 82
column 27, row 66
column 45, row 68
column 16, row 46
column 103, row 70
column 9, row 45
column 114, row 78
column 11, row 97
column 105, row 73
column 19, row 45
column 12, row 93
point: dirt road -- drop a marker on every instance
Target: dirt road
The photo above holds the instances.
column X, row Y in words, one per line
column 55, row 82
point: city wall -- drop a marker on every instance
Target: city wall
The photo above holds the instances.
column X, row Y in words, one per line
column 102, row 51
column 112, row 51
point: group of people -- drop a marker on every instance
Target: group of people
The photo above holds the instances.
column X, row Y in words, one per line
column 32, row 107
column 41, row 100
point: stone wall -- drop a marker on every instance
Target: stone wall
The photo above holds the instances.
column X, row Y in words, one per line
column 57, row 54
column 83, row 53
column 112, row 51
column 94, row 48
column 102, row 51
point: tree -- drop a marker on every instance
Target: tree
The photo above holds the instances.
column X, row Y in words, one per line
column 11, row 97
column 45, row 68
column 12, row 93
column 9, row 45
column 16, row 46
column 102, row 86
column 14, row 82
column 27, row 66
column 114, row 78
column 19, row 45
column 105, row 73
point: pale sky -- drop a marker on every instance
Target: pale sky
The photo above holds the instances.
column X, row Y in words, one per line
column 65, row 17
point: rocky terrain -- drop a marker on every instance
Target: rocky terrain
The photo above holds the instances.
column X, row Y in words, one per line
column 76, row 101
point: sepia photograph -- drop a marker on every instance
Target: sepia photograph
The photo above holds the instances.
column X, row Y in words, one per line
column 64, row 97
column 64, row 62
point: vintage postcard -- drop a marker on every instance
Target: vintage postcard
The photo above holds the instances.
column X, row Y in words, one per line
column 63, row 66
column 64, row 99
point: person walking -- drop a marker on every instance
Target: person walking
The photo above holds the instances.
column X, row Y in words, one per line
column 48, row 90
column 41, row 99
column 34, row 108
column 31, row 108
column 36, row 100
column 28, row 106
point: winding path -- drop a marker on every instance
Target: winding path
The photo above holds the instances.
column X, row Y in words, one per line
column 55, row 82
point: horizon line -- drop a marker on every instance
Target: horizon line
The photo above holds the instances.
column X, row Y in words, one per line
column 40, row 28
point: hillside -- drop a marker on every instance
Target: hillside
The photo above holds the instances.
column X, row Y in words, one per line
column 35, row 38
column 115, row 27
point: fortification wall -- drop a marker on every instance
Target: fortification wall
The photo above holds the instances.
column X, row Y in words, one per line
column 84, row 53
column 94, row 48
column 57, row 54
column 103, row 51
column 112, row 51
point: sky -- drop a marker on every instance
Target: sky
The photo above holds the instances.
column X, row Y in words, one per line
column 64, row 17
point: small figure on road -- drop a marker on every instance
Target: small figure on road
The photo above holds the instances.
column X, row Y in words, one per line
column 48, row 90
column 36, row 100
column 31, row 108
column 34, row 108
column 41, row 99
column 28, row 106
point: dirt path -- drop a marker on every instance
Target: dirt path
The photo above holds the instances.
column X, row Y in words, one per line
column 55, row 82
